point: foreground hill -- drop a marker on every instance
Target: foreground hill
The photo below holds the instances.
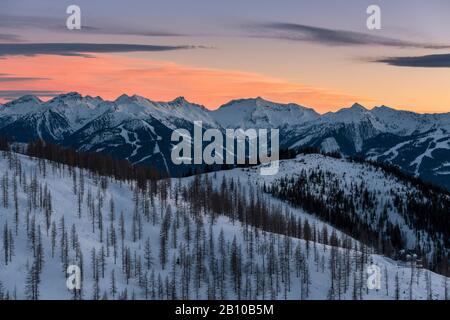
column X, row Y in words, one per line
column 216, row 236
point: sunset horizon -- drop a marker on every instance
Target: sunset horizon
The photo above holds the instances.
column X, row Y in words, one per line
column 45, row 97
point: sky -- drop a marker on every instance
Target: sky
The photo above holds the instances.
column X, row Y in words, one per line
column 318, row 54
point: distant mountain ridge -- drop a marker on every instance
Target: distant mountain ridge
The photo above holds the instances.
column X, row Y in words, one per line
column 138, row 129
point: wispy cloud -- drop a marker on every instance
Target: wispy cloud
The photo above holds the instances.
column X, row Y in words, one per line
column 20, row 22
column 427, row 61
column 128, row 32
column 10, row 37
column 331, row 37
column 79, row 49
column 14, row 94
column 58, row 25
column 10, row 78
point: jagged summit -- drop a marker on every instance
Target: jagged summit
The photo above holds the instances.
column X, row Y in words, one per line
column 70, row 98
column 383, row 107
column 179, row 100
column 70, row 95
column 358, row 107
column 134, row 99
column 257, row 101
column 123, row 97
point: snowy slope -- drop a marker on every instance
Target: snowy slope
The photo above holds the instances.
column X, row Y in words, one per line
column 349, row 177
column 145, row 216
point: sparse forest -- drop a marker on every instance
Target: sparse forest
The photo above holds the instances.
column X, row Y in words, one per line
column 358, row 213
column 209, row 236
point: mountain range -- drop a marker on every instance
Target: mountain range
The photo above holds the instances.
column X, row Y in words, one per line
column 139, row 130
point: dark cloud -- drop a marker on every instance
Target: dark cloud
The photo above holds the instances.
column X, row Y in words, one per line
column 54, row 24
column 14, row 94
column 9, row 78
column 299, row 32
column 428, row 61
column 79, row 49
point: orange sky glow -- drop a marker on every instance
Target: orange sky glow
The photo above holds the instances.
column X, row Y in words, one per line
column 109, row 76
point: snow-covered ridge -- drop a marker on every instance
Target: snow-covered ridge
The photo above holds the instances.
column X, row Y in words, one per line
column 417, row 143
column 388, row 120
column 245, row 113
column 79, row 110
column 241, row 112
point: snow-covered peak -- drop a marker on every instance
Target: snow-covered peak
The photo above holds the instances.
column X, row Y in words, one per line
column 122, row 98
column 182, row 109
column 179, row 101
column 27, row 99
column 250, row 102
column 66, row 99
column 125, row 99
column 74, row 99
column 70, row 95
column 260, row 113
column 354, row 115
column 358, row 108
column 24, row 105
